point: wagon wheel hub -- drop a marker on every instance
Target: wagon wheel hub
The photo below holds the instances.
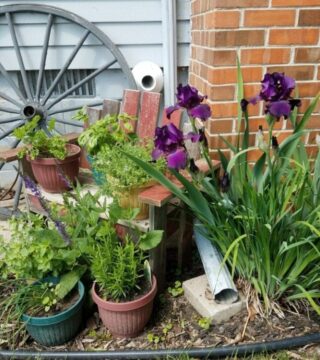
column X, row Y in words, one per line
column 33, row 109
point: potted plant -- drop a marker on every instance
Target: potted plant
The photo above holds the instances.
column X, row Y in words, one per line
column 124, row 288
column 51, row 158
column 106, row 132
column 47, row 295
column 125, row 179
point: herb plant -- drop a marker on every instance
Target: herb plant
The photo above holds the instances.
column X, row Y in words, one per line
column 107, row 132
column 38, row 143
column 123, row 174
column 118, row 266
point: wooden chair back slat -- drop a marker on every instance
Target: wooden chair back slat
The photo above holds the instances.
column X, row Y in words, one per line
column 94, row 115
column 110, row 107
column 130, row 105
column 148, row 118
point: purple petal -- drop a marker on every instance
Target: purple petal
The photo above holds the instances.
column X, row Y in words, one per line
column 255, row 99
column 174, row 133
column 171, row 109
column 156, row 154
column 279, row 108
column 268, row 87
column 188, row 97
column 177, row 160
column 201, row 111
column 194, row 137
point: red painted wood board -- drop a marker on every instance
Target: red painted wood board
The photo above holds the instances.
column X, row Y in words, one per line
column 148, row 118
column 130, row 105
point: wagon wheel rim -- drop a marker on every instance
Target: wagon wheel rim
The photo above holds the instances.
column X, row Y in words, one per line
column 23, row 104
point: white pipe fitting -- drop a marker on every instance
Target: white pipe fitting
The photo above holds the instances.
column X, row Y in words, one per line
column 148, row 76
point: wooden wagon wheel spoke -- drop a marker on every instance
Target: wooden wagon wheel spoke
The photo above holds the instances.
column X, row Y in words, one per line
column 44, row 55
column 10, row 99
column 5, row 121
column 12, row 84
column 19, row 57
column 73, row 108
column 66, row 122
column 9, row 110
column 10, row 131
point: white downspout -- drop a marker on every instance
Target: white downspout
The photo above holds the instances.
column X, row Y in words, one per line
column 169, row 50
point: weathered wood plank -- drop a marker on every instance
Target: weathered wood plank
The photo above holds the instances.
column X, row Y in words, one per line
column 110, row 107
column 149, row 111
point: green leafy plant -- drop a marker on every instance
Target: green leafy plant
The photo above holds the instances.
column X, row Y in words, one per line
column 119, row 267
column 38, row 143
column 204, row 323
column 264, row 218
column 156, row 339
column 36, row 250
column 81, row 115
column 177, row 290
column 107, row 132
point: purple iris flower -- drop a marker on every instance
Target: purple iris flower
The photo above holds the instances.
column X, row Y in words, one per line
column 169, row 142
column 276, row 89
column 189, row 99
column 168, row 138
column 276, row 86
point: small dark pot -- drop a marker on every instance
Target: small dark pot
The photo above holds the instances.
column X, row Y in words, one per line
column 57, row 329
column 50, row 172
column 126, row 319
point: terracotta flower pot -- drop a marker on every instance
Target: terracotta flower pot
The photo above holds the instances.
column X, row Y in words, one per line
column 126, row 319
column 48, row 171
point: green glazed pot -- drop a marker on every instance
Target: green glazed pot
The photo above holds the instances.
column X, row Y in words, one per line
column 56, row 329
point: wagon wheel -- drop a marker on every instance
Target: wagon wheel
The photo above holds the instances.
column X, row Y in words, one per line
column 21, row 103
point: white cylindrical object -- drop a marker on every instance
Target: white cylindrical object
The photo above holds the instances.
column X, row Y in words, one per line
column 148, row 76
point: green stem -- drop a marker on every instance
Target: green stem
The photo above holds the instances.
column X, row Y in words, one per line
column 203, row 148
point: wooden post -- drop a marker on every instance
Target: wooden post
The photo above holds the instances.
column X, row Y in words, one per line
column 158, row 219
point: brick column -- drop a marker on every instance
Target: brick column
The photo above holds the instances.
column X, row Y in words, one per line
column 267, row 35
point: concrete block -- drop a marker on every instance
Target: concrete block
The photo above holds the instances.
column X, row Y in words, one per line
column 198, row 293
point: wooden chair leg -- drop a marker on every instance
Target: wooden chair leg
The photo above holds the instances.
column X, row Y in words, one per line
column 158, row 219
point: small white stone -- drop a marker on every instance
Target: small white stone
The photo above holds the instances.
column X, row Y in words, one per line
column 195, row 290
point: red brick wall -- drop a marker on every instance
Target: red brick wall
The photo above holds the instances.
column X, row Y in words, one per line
column 267, row 35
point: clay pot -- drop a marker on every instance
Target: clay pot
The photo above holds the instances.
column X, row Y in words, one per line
column 126, row 319
column 48, row 171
